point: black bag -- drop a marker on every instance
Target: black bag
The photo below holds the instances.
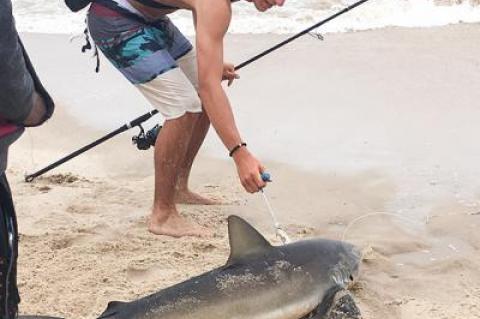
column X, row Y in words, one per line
column 9, row 297
column 77, row 5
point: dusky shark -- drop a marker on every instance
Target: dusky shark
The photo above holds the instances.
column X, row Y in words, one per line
column 259, row 281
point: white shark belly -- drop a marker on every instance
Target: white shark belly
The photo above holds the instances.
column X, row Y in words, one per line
column 277, row 304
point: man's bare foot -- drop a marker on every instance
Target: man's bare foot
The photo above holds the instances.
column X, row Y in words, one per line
column 175, row 225
column 190, row 198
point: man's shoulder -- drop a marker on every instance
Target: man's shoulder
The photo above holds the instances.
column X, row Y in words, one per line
column 16, row 84
column 5, row 14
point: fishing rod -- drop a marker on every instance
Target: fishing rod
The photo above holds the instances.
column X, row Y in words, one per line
column 299, row 35
column 138, row 121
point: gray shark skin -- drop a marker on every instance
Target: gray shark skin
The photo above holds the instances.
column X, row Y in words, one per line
column 259, row 281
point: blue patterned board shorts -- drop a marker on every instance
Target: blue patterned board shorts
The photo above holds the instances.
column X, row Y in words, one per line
column 140, row 51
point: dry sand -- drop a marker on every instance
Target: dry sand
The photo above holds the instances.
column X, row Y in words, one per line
column 83, row 234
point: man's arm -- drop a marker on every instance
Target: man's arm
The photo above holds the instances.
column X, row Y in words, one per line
column 16, row 84
column 210, row 67
column 212, row 21
column 19, row 102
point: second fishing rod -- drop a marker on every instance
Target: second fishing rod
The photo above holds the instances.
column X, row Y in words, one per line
column 146, row 139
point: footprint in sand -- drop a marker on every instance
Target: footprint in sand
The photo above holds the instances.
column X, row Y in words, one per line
column 44, row 189
column 204, row 247
column 140, row 274
column 79, row 237
column 300, row 230
column 65, row 242
column 81, row 209
column 62, row 179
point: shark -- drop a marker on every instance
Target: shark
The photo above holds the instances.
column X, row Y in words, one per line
column 307, row 279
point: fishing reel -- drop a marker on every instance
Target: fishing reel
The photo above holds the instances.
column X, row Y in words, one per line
column 145, row 140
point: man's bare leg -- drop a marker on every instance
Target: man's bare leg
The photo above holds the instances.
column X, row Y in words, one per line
column 184, row 195
column 170, row 150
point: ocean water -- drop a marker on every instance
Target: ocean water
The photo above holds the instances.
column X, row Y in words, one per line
column 48, row 16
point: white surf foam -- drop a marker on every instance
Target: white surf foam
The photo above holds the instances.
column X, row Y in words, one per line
column 53, row 17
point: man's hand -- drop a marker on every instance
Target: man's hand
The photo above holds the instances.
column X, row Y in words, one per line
column 229, row 73
column 38, row 112
column 249, row 171
column 264, row 5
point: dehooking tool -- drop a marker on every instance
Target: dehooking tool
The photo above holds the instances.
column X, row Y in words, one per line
column 281, row 234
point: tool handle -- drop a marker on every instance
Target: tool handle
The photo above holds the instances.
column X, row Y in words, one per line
column 266, row 177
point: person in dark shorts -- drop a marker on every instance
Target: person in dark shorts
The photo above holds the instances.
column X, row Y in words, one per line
column 24, row 102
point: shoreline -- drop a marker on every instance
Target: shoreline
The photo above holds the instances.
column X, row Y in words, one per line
column 289, row 34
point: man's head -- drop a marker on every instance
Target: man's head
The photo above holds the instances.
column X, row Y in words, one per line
column 264, row 5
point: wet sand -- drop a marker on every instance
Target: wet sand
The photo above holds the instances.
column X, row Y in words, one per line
column 372, row 128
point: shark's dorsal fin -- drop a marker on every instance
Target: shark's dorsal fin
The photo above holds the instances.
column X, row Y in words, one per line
column 244, row 240
column 112, row 309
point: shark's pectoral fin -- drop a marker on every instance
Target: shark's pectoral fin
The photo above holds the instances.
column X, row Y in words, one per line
column 324, row 307
column 340, row 305
column 112, row 309
column 344, row 307
column 244, row 240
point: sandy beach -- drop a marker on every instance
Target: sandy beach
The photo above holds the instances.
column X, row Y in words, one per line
column 371, row 137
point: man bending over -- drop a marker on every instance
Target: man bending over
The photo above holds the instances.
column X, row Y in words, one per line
column 184, row 84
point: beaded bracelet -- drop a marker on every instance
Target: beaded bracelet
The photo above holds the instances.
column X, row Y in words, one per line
column 236, row 148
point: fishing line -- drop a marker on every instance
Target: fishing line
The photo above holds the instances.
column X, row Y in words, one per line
column 299, row 35
column 32, row 148
column 279, row 231
column 365, row 216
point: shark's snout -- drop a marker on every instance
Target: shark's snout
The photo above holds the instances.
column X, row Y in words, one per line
column 347, row 268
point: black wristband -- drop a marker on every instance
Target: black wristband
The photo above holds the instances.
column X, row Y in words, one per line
column 236, row 148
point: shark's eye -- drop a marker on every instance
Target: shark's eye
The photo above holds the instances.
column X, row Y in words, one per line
column 351, row 278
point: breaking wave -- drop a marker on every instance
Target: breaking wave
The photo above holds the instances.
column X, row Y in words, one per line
column 49, row 16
